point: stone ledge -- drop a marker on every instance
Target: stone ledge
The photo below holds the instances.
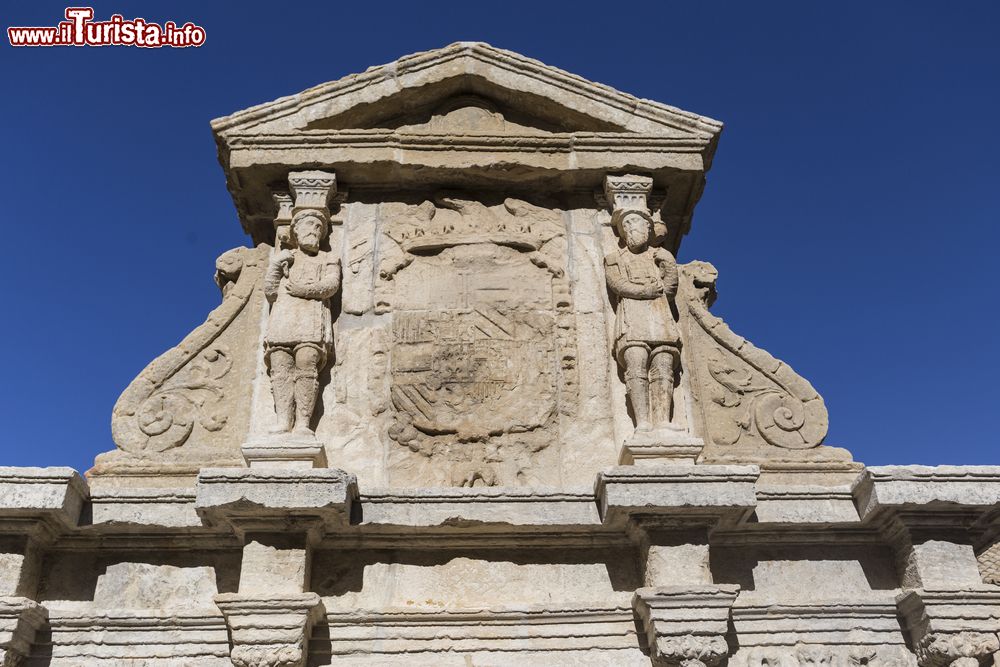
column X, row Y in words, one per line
column 437, row 633
column 235, row 495
column 914, row 487
column 705, row 493
column 167, row 507
column 806, row 504
column 866, row 620
column 83, row 635
column 491, row 506
column 54, row 495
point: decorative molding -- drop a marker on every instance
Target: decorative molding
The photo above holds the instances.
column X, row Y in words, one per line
column 313, row 190
column 90, row 637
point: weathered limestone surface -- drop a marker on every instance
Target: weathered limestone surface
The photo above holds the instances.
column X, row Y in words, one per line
column 464, row 402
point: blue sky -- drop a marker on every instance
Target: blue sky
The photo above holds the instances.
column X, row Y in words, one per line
column 852, row 210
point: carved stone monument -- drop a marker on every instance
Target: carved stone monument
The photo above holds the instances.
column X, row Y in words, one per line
column 464, row 402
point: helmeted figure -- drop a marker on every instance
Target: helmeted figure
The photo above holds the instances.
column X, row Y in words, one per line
column 299, row 340
column 643, row 277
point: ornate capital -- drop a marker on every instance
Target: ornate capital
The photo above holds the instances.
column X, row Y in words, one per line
column 284, row 202
column 628, row 192
column 20, row 619
column 269, row 630
column 952, row 627
column 686, row 625
column 313, row 190
column 960, row 649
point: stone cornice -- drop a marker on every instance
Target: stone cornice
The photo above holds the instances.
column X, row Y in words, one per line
column 475, row 58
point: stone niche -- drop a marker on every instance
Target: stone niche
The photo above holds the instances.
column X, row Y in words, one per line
column 463, row 402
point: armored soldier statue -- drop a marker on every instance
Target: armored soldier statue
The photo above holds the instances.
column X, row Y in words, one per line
column 299, row 341
column 643, row 277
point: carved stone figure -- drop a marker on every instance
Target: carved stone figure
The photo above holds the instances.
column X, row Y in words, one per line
column 299, row 341
column 643, row 278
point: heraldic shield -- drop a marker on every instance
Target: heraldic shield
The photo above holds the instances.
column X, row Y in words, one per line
column 474, row 349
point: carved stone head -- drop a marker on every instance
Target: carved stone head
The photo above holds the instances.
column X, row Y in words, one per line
column 635, row 229
column 308, row 229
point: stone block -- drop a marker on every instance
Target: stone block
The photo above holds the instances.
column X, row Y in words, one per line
column 689, row 492
column 902, row 487
column 171, row 507
column 53, row 494
column 523, row 508
column 806, row 504
column 263, row 495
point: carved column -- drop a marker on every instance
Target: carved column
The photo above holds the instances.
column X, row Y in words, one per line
column 670, row 511
column 270, row 619
column 20, row 616
column 20, row 620
column 283, row 220
column 280, row 514
column 674, row 554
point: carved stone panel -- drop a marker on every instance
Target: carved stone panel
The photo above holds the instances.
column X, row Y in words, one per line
column 191, row 405
column 483, row 346
column 750, row 406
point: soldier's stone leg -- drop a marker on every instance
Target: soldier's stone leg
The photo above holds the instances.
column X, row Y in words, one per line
column 307, row 363
column 662, row 365
column 282, row 365
column 636, row 359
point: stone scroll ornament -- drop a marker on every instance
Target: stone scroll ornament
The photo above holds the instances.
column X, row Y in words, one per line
column 187, row 385
column 746, row 396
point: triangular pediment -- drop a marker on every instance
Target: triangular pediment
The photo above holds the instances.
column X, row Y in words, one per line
column 467, row 87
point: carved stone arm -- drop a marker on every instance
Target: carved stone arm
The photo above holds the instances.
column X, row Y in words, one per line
column 668, row 271
column 272, row 279
column 325, row 288
column 626, row 289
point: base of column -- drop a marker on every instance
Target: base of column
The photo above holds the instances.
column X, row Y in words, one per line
column 284, row 450
column 660, row 446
